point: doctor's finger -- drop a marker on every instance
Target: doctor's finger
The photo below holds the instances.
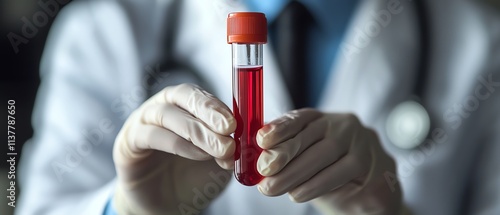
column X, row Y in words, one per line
column 332, row 177
column 201, row 104
column 349, row 171
column 273, row 160
column 190, row 128
column 303, row 167
column 225, row 163
column 145, row 136
column 285, row 127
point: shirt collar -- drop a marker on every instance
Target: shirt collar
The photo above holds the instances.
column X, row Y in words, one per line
column 329, row 14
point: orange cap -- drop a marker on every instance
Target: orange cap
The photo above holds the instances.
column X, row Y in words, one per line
column 246, row 27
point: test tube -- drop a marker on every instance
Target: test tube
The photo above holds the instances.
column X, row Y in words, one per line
column 247, row 32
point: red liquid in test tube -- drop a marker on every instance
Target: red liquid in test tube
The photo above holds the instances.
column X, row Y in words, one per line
column 247, row 108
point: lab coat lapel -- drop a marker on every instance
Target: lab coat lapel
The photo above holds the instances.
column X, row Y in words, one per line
column 373, row 69
column 275, row 92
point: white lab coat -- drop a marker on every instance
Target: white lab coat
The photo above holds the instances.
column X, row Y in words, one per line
column 98, row 52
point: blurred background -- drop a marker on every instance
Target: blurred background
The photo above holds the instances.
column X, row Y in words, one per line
column 19, row 70
column 26, row 23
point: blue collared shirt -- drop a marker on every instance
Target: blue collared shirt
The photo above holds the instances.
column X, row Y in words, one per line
column 331, row 18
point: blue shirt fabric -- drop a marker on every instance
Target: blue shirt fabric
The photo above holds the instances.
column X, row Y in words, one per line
column 109, row 210
column 331, row 19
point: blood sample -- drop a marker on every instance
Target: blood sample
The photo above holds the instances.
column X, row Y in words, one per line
column 247, row 32
column 247, row 107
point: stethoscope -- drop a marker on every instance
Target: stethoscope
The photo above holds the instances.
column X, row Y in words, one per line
column 409, row 122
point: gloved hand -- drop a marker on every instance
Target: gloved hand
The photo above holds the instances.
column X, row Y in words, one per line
column 170, row 149
column 330, row 159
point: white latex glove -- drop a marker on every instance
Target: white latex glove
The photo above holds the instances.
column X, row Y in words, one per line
column 329, row 158
column 164, row 153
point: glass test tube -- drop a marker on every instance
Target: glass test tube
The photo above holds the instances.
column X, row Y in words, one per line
column 247, row 32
